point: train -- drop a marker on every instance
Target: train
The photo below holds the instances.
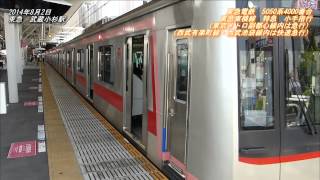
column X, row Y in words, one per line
column 203, row 108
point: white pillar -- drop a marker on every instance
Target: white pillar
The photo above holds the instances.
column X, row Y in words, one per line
column 21, row 50
column 17, row 54
column 3, row 99
column 11, row 61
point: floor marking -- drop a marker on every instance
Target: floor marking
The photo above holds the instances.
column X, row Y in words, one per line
column 22, row 149
column 33, row 88
column 40, row 107
column 42, row 146
column 40, row 127
column 30, row 103
column 41, row 135
column 40, row 88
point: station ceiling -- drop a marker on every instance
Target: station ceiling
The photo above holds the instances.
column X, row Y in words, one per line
column 31, row 31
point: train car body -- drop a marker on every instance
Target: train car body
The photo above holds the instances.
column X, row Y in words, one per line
column 207, row 108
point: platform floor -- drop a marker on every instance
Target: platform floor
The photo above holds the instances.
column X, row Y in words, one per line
column 80, row 143
column 100, row 150
column 20, row 124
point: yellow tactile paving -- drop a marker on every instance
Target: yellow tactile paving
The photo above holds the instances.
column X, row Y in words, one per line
column 61, row 158
column 147, row 165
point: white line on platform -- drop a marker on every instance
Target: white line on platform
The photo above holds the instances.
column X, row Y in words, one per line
column 41, row 146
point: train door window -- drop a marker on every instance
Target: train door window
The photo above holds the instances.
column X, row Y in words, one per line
column 150, row 77
column 80, row 60
column 182, row 69
column 106, row 64
column 256, row 85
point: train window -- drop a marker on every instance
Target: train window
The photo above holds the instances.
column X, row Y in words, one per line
column 302, row 57
column 69, row 59
column 80, row 57
column 256, row 83
column 106, row 64
column 182, row 69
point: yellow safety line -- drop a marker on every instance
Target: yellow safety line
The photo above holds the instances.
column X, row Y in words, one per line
column 61, row 158
column 145, row 163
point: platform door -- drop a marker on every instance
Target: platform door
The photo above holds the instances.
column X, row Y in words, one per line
column 178, row 63
column 90, row 71
column 135, row 92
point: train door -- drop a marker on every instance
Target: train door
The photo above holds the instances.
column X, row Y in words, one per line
column 59, row 62
column 90, row 71
column 300, row 88
column 259, row 126
column 178, row 64
column 135, row 83
column 69, row 65
column 74, row 66
column 65, row 64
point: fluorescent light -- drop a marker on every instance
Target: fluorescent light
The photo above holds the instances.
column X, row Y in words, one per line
column 251, row 5
column 59, row 2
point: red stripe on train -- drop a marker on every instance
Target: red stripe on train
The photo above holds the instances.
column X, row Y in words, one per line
column 280, row 159
column 81, row 79
column 111, row 97
column 152, row 118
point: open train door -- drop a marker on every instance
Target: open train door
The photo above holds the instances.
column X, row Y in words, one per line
column 89, row 71
column 136, row 55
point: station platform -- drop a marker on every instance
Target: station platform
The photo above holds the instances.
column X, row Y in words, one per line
column 20, row 125
column 80, row 143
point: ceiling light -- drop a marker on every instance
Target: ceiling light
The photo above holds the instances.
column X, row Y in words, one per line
column 59, row 2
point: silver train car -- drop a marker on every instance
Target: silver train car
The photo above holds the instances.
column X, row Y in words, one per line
column 204, row 108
